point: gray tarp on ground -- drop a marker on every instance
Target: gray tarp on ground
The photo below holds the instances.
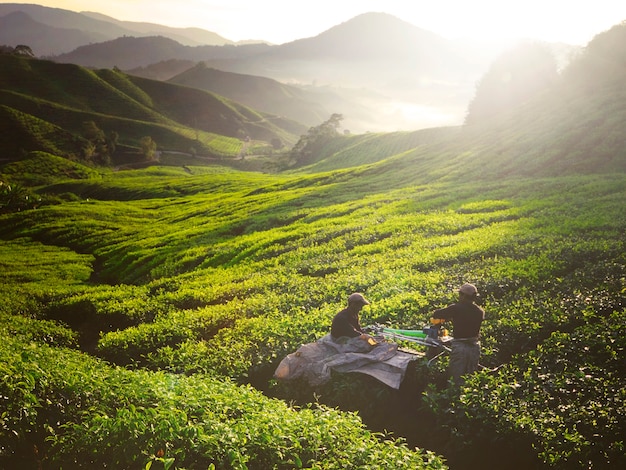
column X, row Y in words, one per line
column 314, row 362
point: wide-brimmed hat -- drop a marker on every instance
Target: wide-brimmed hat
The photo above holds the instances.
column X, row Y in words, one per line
column 469, row 290
column 357, row 298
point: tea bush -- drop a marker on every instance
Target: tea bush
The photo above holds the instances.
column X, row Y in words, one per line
column 215, row 276
column 564, row 398
column 86, row 413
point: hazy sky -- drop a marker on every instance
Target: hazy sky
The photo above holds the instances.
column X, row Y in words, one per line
column 279, row 21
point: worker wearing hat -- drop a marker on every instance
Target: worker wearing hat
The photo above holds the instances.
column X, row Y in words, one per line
column 466, row 318
column 346, row 322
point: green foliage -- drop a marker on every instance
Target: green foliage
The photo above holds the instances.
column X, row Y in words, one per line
column 223, row 274
column 15, row 198
column 23, row 132
column 199, row 280
column 41, row 168
column 87, row 413
column 310, row 145
column 45, row 106
column 514, row 78
column 563, row 399
column 148, row 147
column 27, row 330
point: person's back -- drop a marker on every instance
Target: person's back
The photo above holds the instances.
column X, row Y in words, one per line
column 346, row 322
column 466, row 318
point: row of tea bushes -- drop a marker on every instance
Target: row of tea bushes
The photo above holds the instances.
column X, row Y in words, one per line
column 65, row 409
column 566, row 399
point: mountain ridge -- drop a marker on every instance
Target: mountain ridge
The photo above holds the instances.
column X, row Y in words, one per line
column 17, row 28
column 187, row 36
column 407, row 77
column 95, row 27
column 38, row 94
column 260, row 93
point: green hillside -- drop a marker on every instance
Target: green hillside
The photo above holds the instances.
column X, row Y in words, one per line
column 257, row 92
column 224, row 273
column 39, row 94
column 144, row 312
column 572, row 125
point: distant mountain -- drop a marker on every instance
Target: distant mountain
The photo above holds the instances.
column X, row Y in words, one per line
column 54, row 31
column 379, row 71
column 348, row 52
column 163, row 70
column 384, row 73
column 185, row 36
column 44, row 106
column 376, row 37
column 20, row 28
column 259, row 93
column 379, row 52
column 125, row 52
column 129, row 52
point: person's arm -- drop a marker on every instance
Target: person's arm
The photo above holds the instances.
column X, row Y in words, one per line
column 442, row 315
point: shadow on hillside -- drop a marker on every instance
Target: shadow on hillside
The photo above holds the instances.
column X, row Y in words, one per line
column 401, row 414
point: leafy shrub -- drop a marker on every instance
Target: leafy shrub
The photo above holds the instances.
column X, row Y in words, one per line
column 220, row 275
column 15, row 198
column 79, row 412
column 563, row 398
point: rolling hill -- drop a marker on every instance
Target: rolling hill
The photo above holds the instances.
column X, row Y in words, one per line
column 338, row 56
column 570, row 126
column 382, row 73
column 145, row 311
column 53, row 31
column 264, row 94
column 64, row 96
column 387, row 74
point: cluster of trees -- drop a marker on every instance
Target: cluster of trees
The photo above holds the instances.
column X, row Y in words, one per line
column 20, row 49
column 310, row 144
column 100, row 146
column 513, row 78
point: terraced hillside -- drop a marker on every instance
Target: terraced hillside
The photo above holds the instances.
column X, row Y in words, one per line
column 144, row 312
column 46, row 105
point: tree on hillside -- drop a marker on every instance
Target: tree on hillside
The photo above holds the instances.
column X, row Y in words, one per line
column 98, row 147
column 310, row 143
column 148, row 147
column 514, row 78
column 277, row 144
column 603, row 61
column 20, row 49
column 24, row 50
column 112, row 141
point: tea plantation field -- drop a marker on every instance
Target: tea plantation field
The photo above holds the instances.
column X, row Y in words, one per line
column 144, row 312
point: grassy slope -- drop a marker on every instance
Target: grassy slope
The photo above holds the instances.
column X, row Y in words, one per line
column 575, row 126
column 257, row 92
column 63, row 95
column 225, row 273
column 216, row 272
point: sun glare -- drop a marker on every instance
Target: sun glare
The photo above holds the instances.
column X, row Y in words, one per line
column 280, row 21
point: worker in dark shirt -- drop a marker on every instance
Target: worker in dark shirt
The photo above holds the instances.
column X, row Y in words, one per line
column 466, row 318
column 346, row 322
